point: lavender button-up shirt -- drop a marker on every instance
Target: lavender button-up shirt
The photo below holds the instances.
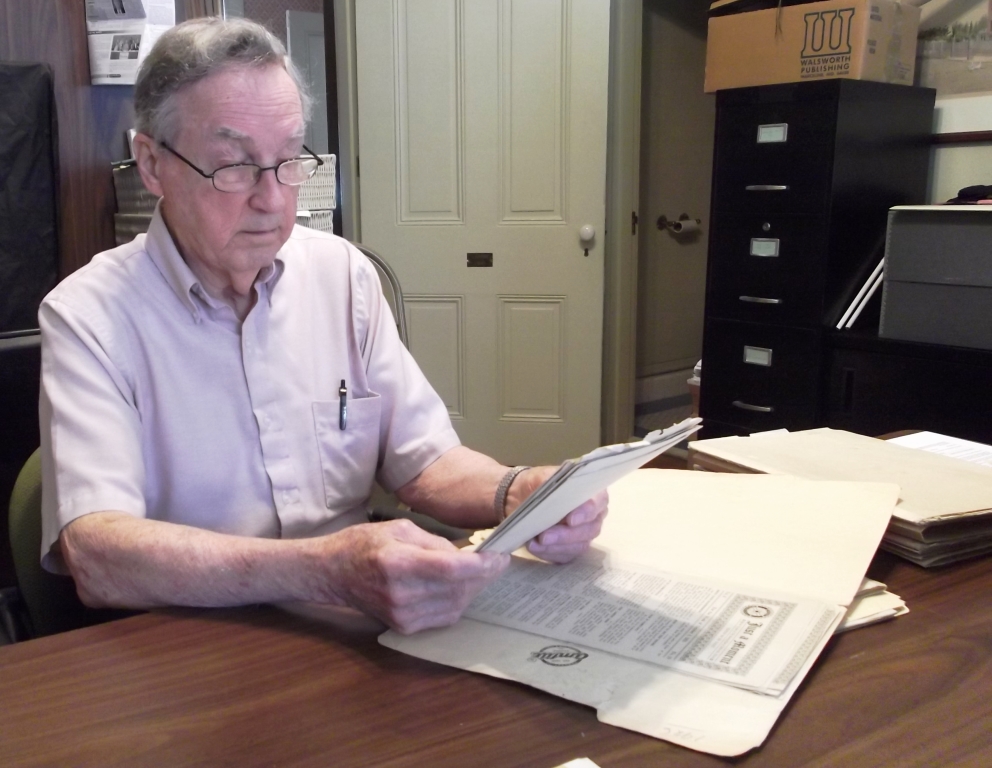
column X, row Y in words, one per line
column 158, row 402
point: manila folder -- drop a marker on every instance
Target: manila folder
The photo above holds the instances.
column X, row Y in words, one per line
column 802, row 537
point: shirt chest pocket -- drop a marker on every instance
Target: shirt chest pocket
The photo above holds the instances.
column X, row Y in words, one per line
column 348, row 457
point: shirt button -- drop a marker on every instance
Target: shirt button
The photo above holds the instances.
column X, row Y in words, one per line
column 286, row 497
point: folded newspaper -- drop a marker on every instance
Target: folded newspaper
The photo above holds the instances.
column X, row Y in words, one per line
column 577, row 481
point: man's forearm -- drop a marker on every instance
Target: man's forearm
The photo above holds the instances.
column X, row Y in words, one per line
column 393, row 571
column 460, row 487
column 121, row 561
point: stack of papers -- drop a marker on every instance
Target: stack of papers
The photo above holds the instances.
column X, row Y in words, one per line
column 577, row 481
column 872, row 604
column 697, row 613
column 945, row 507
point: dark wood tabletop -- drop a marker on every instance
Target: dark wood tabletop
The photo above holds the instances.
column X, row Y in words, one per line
column 258, row 687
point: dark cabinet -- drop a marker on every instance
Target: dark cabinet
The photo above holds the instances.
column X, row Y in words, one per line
column 874, row 386
column 803, row 177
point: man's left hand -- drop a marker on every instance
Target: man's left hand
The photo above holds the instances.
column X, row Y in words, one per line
column 573, row 535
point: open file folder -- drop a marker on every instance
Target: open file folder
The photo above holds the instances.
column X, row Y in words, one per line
column 772, row 533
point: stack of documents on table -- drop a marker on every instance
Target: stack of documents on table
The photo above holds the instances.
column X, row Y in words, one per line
column 697, row 613
column 945, row 507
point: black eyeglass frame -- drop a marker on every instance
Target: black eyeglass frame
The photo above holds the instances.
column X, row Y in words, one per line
column 274, row 168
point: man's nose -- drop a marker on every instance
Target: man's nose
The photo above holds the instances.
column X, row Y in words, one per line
column 268, row 194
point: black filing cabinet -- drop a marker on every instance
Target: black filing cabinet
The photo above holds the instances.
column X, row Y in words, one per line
column 803, row 177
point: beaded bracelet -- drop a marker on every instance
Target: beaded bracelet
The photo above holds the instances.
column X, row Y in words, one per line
column 499, row 503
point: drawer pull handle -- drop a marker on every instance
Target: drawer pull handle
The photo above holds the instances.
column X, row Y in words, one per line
column 767, row 188
column 759, row 300
column 756, row 408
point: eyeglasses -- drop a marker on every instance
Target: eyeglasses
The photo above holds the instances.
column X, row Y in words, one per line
column 243, row 176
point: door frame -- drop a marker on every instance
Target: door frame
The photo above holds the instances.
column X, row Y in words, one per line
column 345, row 76
column 623, row 161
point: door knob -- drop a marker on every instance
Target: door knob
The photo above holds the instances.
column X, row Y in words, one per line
column 587, row 233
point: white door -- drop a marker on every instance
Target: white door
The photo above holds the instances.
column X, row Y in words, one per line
column 305, row 35
column 482, row 141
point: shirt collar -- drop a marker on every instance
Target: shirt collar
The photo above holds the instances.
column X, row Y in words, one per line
column 180, row 278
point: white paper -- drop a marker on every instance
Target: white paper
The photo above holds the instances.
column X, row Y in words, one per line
column 577, row 481
column 120, row 33
column 944, row 445
column 871, row 609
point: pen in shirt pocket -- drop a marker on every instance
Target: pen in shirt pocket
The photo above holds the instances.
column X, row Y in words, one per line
column 343, row 410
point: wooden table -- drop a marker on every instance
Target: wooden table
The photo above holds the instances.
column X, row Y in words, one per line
column 257, row 686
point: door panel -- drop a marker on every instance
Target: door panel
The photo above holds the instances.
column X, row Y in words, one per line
column 483, row 145
column 435, row 328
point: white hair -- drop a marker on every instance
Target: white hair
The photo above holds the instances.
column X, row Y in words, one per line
column 193, row 50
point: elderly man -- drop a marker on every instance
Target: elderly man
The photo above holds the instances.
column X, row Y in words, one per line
column 195, row 449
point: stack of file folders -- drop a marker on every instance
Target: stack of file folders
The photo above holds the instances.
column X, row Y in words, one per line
column 944, row 512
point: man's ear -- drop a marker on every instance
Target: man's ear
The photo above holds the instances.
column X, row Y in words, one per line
column 147, row 153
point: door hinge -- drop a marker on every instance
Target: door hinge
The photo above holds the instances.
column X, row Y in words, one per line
column 633, row 222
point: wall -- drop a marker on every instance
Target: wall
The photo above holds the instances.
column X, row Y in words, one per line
column 272, row 13
column 92, row 119
column 953, row 167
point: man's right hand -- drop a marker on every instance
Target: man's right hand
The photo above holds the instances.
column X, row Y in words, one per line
column 404, row 576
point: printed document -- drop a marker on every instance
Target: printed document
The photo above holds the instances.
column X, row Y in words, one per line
column 120, row 33
column 945, row 445
column 750, row 639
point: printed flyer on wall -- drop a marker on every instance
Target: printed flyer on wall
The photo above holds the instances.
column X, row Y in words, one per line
column 120, row 33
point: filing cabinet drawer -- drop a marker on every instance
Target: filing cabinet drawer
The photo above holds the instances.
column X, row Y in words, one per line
column 775, row 135
column 799, row 186
column 767, row 268
column 774, row 156
column 760, row 376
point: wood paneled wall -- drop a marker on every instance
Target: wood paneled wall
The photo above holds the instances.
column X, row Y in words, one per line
column 92, row 119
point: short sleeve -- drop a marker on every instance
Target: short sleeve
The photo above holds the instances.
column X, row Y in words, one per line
column 90, row 427
column 415, row 429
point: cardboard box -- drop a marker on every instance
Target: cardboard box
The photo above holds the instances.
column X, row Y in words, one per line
column 857, row 39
